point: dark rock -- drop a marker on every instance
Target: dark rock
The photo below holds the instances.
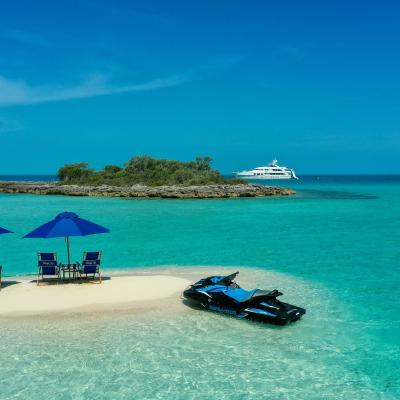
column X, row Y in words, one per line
column 167, row 192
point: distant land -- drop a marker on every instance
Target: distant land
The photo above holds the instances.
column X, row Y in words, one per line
column 145, row 170
column 145, row 176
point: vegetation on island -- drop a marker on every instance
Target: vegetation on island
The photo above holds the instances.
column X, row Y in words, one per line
column 147, row 171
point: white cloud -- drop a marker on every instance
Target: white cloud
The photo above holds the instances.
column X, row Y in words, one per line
column 15, row 92
column 19, row 92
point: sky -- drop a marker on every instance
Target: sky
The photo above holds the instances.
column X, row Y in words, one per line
column 315, row 84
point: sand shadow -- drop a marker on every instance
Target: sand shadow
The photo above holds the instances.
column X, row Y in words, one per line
column 5, row 284
column 55, row 282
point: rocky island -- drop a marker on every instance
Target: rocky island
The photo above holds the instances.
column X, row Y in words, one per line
column 172, row 192
column 146, row 177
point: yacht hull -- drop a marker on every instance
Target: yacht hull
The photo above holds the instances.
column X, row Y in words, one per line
column 265, row 178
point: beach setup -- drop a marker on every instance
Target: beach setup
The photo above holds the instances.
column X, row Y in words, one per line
column 2, row 231
column 67, row 224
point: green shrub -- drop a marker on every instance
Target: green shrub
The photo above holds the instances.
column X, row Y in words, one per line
column 147, row 171
column 74, row 172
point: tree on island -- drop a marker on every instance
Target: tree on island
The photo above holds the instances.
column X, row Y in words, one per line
column 147, row 171
column 73, row 172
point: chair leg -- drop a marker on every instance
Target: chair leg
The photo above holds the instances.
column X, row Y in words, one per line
column 99, row 277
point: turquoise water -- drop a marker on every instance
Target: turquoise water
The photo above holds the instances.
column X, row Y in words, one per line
column 333, row 248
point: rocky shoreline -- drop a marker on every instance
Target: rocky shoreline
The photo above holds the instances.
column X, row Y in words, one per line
column 141, row 191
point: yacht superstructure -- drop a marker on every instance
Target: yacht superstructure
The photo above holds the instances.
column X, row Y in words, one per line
column 270, row 171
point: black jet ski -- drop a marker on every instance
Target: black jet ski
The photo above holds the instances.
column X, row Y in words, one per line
column 224, row 295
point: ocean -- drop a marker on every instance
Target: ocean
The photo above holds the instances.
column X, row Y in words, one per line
column 332, row 248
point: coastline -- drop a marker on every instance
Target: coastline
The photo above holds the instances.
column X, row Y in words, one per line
column 126, row 289
column 23, row 297
column 142, row 191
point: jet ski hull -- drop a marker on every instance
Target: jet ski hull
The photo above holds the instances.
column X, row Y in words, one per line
column 228, row 298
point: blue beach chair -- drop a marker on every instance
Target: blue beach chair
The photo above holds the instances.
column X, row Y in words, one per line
column 90, row 264
column 48, row 266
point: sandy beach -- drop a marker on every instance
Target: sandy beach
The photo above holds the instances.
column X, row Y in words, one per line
column 23, row 297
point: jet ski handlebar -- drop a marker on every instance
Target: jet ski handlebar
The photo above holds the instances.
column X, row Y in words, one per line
column 230, row 278
column 220, row 280
column 274, row 293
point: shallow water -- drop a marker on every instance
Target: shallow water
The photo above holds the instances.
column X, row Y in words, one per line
column 334, row 249
column 178, row 352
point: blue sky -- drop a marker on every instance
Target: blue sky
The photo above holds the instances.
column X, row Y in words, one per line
column 314, row 83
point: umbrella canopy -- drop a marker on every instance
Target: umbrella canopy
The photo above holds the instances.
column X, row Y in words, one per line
column 65, row 225
column 2, row 230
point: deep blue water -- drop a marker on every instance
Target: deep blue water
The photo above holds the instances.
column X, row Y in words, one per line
column 33, row 178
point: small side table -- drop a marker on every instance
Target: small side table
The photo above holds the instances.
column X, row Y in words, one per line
column 70, row 269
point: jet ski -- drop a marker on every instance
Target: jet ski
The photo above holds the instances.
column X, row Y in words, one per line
column 222, row 294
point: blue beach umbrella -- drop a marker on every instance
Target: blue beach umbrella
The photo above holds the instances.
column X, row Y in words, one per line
column 2, row 230
column 65, row 225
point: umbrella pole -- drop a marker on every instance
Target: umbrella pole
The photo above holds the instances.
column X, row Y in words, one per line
column 69, row 256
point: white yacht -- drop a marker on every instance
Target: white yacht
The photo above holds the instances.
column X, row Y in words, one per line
column 270, row 171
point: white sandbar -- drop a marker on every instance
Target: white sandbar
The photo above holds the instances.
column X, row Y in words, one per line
column 25, row 297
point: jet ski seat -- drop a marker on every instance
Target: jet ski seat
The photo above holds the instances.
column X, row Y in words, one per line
column 271, row 293
column 241, row 295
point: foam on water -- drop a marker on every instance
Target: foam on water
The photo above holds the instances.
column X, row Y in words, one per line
column 176, row 352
